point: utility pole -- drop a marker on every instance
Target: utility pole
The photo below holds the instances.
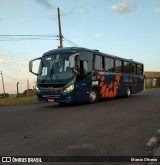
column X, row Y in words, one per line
column 17, row 90
column 27, row 87
column 3, row 83
column 60, row 31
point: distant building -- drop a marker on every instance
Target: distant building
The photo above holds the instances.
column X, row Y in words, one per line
column 152, row 79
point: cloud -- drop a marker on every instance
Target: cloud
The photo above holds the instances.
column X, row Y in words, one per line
column 22, row 63
column 124, row 7
column 81, row 40
column 84, row 10
column 21, row 70
column 45, row 3
column 97, row 34
column 69, row 12
column 1, row 60
column 157, row 10
column 73, row 10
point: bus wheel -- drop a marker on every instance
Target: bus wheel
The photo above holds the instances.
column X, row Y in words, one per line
column 128, row 92
column 93, row 96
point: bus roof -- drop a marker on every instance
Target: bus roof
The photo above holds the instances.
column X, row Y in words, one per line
column 80, row 49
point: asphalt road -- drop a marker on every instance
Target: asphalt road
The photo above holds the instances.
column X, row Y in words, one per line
column 116, row 127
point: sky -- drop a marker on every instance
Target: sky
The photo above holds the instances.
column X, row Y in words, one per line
column 124, row 28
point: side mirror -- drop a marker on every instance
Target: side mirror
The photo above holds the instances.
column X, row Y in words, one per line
column 72, row 60
column 34, row 65
column 30, row 66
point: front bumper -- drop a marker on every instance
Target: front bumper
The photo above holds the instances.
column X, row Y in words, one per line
column 57, row 97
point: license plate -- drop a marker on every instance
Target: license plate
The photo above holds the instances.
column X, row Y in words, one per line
column 50, row 100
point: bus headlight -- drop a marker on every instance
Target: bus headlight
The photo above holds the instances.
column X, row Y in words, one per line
column 37, row 89
column 69, row 88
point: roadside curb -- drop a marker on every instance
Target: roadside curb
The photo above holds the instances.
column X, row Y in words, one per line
column 153, row 143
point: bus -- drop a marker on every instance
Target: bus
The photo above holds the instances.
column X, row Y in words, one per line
column 75, row 74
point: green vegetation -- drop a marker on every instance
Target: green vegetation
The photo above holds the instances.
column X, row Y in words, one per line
column 152, row 89
column 18, row 101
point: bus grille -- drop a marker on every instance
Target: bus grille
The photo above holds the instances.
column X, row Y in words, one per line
column 52, row 96
column 51, row 85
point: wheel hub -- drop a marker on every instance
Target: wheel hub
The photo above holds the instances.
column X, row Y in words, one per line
column 92, row 96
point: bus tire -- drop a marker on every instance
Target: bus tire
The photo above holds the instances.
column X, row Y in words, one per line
column 128, row 92
column 93, row 96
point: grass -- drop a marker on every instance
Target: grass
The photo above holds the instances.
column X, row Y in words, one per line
column 152, row 89
column 18, row 101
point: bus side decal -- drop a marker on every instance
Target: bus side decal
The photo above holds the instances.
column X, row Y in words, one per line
column 111, row 89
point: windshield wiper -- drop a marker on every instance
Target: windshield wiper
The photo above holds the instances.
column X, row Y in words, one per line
column 51, row 75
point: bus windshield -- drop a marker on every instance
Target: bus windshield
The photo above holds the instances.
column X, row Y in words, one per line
column 55, row 67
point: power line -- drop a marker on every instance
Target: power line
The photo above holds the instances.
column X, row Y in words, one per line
column 30, row 35
column 70, row 42
column 11, row 77
column 14, row 78
column 16, row 39
column 27, row 37
column 33, row 16
column 9, row 84
column 67, row 43
column 15, row 61
column 34, row 37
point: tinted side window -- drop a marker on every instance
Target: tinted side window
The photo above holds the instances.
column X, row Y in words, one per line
column 98, row 62
column 109, row 64
column 139, row 69
column 118, row 66
column 126, row 67
column 87, row 56
column 133, row 68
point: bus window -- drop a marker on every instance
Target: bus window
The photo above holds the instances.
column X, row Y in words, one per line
column 98, row 62
column 44, row 67
column 85, row 68
column 133, row 68
column 109, row 64
column 87, row 56
column 118, row 66
column 66, row 66
column 44, row 71
column 126, row 67
column 139, row 69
